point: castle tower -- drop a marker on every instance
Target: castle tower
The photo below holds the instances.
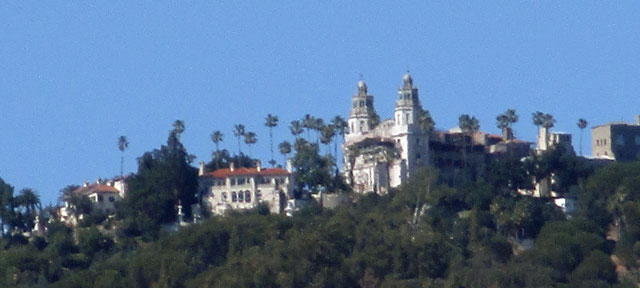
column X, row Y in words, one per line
column 361, row 112
column 413, row 143
column 408, row 104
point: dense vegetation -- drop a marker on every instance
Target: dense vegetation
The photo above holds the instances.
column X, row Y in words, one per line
column 425, row 234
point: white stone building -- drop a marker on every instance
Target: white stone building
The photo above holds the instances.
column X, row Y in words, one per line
column 244, row 188
column 382, row 155
column 103, row 196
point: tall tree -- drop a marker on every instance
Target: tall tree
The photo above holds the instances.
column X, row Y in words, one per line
column 506, row 120
column 548, row 121
column 28, row 203
column 582, row 123
column 328, row 132
column 6, row 205
column 285, row 149
column 122, row 145
column 238, row 132
column 271, row 121
column 165, row 178
column 318, row 126
column 340, row 126
column 296, row 128
column 178, row 127
column 425, row 122
column 469, row 125
column 250, row 139
column 216, row 138
column 308, row 122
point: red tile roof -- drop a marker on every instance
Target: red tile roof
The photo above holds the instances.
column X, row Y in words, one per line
column 226, row 172
column 96, row 188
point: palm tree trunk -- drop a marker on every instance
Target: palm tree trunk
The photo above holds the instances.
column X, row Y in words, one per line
column 581, row 130
column 271, row 141
column 121, row 164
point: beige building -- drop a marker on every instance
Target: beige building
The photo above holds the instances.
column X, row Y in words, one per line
column 617, row 141
column 244, row 188
column 103, row 196
column 378, row 156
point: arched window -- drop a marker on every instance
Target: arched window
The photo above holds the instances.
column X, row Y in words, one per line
column 361, row 125
column 234, row 196
column 247, row 196
column 240, row 196
column 223, row 196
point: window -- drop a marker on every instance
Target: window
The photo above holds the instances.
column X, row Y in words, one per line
column 100, row 198
column 241, row 181
column 223, row 196
column 418, row 156
column 258, row 195
column 418, row 141
column 111, row 199
column 234, row 196
column 240, row 196
column 637, row 139
column 233, row 181
column 620, row 140
column 247, row 196
column 361, row 125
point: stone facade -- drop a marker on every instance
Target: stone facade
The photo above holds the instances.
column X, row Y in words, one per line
column 233, row 188
column 380, row 155
column 617, row 141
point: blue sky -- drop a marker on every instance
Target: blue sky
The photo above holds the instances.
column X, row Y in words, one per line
column 75, row 75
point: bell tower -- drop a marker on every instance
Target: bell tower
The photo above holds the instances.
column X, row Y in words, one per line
column 361, row 112
column 408, row 104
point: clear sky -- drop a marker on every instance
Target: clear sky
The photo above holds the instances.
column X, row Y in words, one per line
column 75, row 75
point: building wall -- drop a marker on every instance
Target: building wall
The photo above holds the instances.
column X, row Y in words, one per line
column 619, row 141
column 218, row 193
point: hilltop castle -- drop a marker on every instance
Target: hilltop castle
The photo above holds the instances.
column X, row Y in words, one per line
column 379, row 155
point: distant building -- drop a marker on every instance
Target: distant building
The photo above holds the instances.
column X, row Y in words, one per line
column 382, row 155
column 103, row 194
column 244, row 188
column 617, row 141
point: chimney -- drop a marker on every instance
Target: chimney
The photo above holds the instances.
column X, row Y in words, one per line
column 507, row 134
column 289, row 166
column 638, row 120
column 232, row 166
column 86, row 183
column 258, row 165
column 201, row 169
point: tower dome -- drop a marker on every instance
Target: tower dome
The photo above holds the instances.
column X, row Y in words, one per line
column 362, row 86
column 407, row 79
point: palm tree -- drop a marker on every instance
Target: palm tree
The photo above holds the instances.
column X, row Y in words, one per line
column 296, row 128
column 340, row 125
column 318, row 126
column 216, row 138
column 548, row 121
column 425, row 122
column 178, row 127
column 238, row 132
column 582, row 123
column 122, row 145
column 469, row 125
column 308, row 122
column 538, row 119
column 250, row 139
column 30, row 202
column 327, row 135
column 285, row 149
column 506, row 120
column 271, row 121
